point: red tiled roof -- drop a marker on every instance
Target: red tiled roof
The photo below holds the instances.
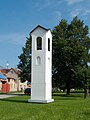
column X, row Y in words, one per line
column 4, row 71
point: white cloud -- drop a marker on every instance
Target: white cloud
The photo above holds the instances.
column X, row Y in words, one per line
column 76, row 12
column 58, row 15
column 47, row 3
column 79, row 11
column 86, row 11
column 16, row 39
column 70, row 2
column 41, row 5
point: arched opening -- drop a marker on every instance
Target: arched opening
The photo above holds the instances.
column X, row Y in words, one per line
column 48, row 44
column 39, row 43
column 38, row 60
column 49, row 62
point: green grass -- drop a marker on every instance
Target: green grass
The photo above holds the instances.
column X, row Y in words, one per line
column 72, row 107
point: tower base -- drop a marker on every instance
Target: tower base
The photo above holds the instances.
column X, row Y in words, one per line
column 40, row 101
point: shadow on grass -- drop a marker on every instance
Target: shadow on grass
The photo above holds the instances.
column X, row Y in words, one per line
column 12, row 94
column 64, row 96
column 56, row 96
column 11, row 100
column 87, row 113
column 20, row 101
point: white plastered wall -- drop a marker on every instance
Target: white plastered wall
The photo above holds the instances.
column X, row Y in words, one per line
column 41, row 74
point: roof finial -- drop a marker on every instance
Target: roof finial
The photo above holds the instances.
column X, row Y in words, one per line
column 7, row 64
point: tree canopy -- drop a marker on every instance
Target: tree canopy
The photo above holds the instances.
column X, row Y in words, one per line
column 25, row 61
column 70, row 52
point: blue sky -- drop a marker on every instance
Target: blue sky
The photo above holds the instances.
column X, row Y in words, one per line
column 19, row 17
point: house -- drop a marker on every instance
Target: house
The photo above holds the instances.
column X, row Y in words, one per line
column 12, row 78
column 2, row 78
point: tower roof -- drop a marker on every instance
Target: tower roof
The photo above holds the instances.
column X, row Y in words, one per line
column 39, row 26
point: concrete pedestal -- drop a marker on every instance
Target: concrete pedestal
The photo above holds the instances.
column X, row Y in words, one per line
column 41, row 101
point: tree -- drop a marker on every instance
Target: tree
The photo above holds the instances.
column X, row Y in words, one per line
column 70, row 52
column 25, row 61
column 83, row 80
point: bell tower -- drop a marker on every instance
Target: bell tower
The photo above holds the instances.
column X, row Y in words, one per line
column 41, row 75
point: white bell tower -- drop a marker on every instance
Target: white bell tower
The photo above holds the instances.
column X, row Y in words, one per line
column 41, row 78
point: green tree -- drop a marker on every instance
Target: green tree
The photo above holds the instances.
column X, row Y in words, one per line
column 70, row 51
column 83, row 80
column 25, row 61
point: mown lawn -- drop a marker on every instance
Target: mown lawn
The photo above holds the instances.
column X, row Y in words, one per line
column 72, row 107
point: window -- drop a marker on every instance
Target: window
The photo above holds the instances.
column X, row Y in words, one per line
column 39, row 43
column 8, row 79
column 38, row 60
column 48, row 44
column 11, row 71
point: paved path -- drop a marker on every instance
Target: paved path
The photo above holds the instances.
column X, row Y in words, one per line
column 6, row 96
column 2, row 96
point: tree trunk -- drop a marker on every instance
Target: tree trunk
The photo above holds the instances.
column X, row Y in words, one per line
column 89, row 92
column 86, row 93
column 68, row 91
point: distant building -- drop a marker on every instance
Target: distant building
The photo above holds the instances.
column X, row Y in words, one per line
column 12, row 78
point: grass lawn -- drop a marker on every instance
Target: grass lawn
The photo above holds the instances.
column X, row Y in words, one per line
column 72, row 107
